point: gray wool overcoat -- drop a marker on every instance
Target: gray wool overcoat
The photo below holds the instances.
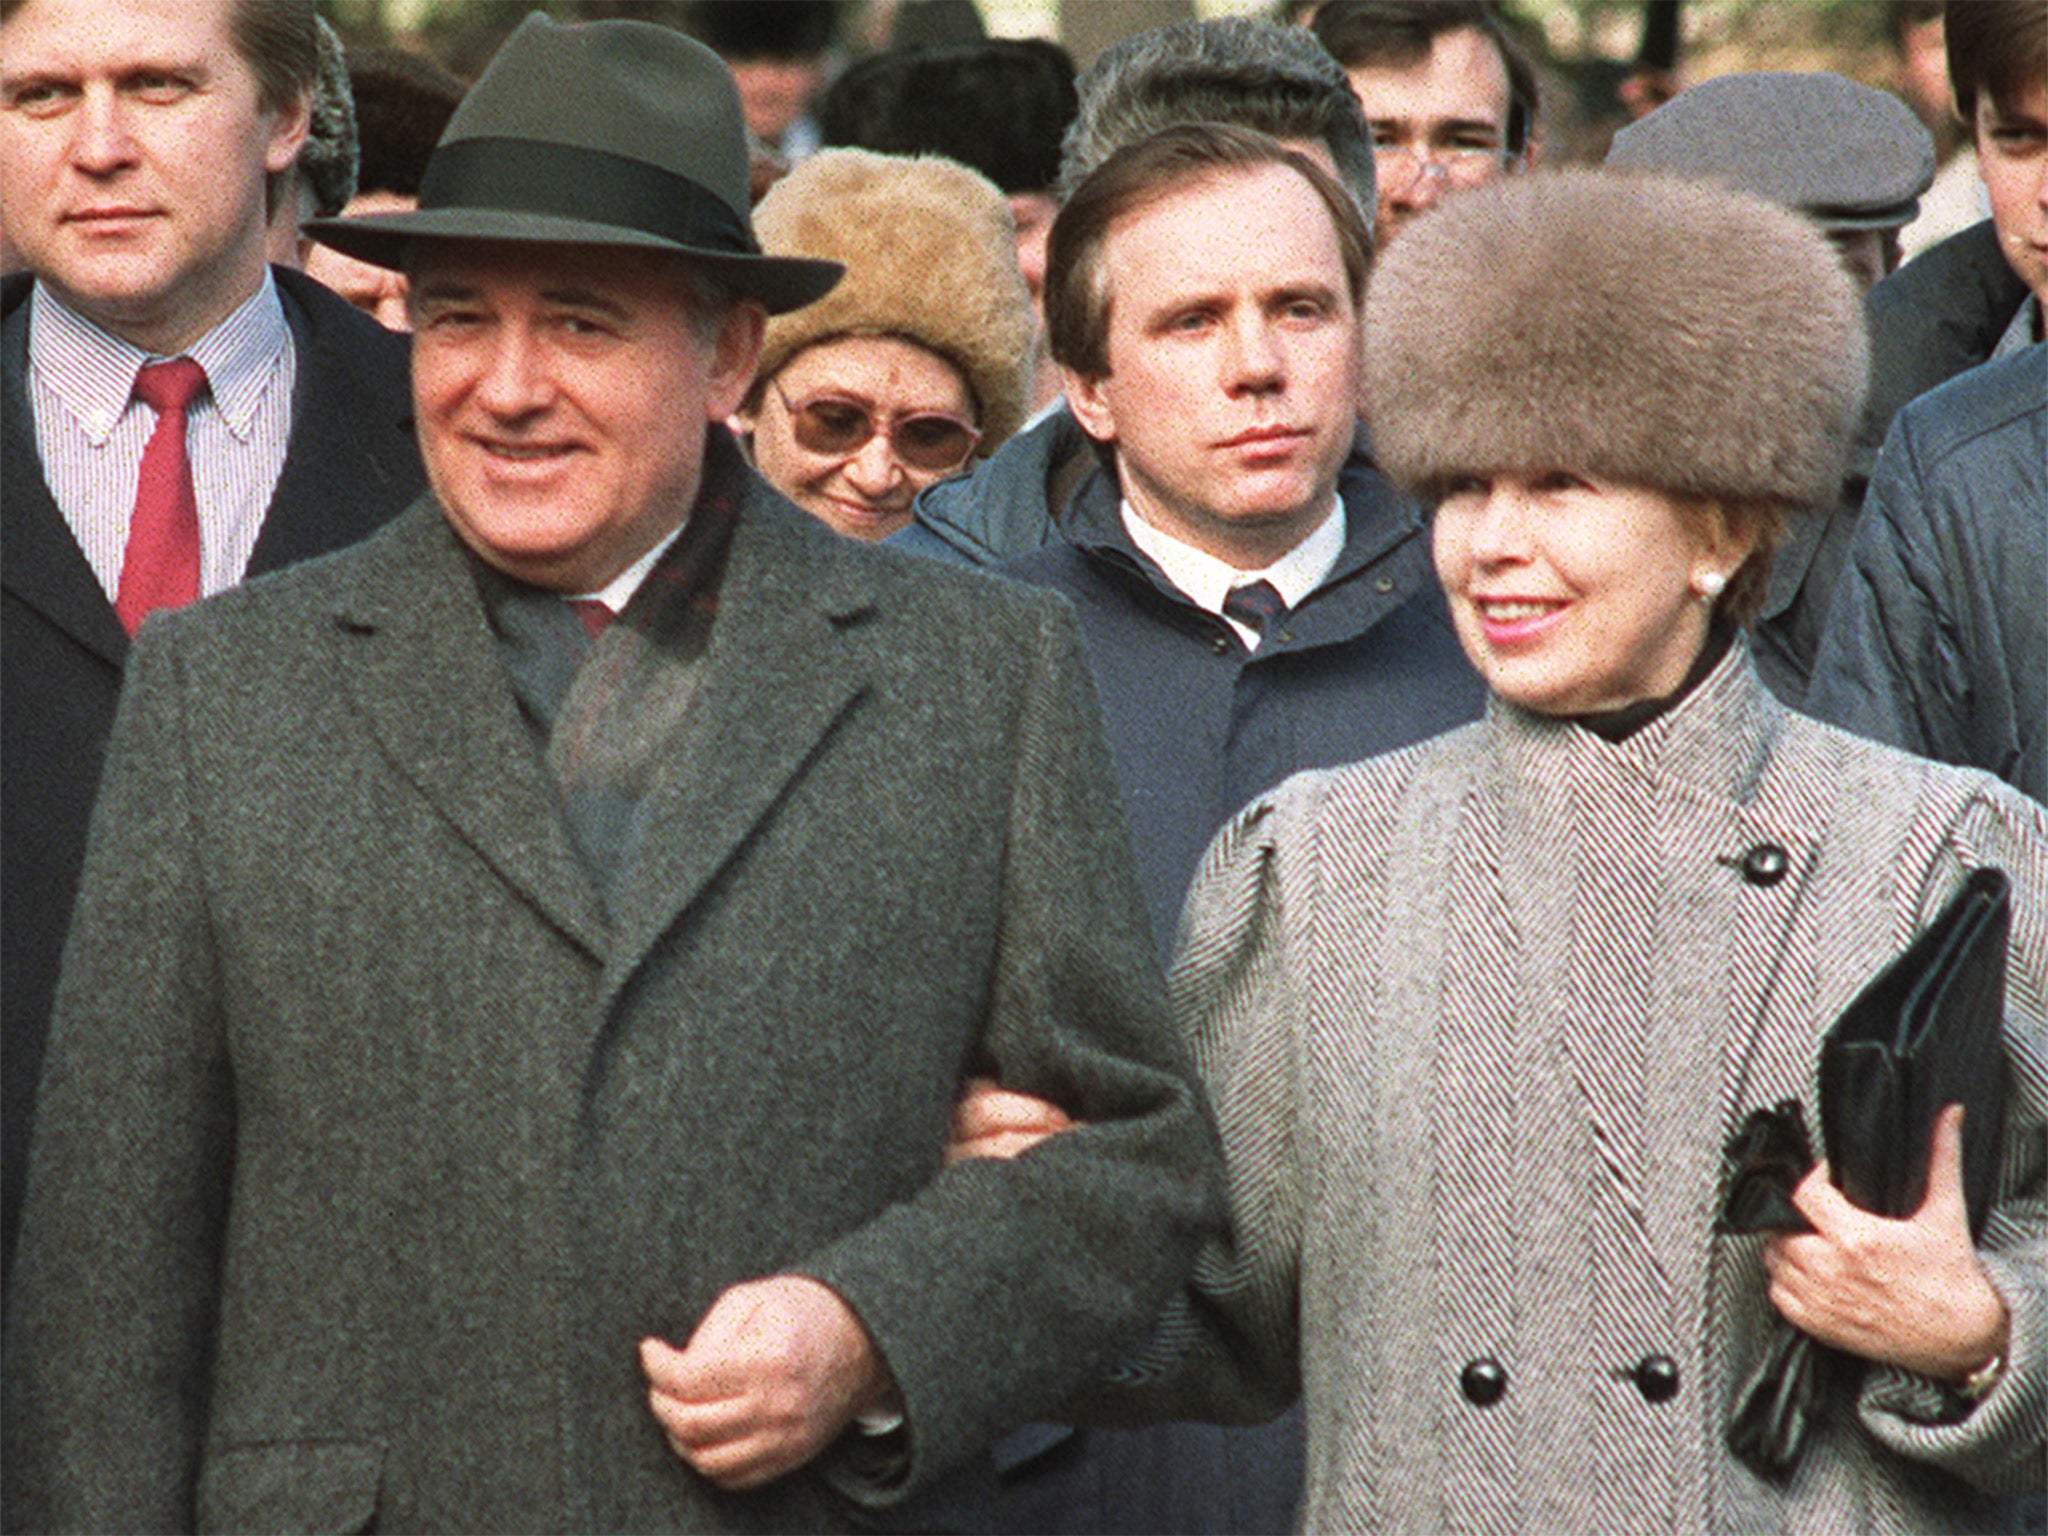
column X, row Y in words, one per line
column 369, row 1147
column 1477, row 1019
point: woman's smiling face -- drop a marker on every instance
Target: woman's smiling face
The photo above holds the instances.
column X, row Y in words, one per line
column 1573, row 595
column 865, row 493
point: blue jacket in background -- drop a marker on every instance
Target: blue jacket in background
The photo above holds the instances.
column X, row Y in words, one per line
column 1941, row 313
column 1003, row 509
column 1198, row 725
column 1937, row 638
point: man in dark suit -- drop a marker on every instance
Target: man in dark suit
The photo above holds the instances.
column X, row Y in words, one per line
column 502, row 1070
column 139, row 147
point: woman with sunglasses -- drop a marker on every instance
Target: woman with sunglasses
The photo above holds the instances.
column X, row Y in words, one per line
column 915, row 364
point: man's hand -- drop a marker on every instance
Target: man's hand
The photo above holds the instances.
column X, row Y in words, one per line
column 775, row 1370
column 1908, row 1293
column 992, row 1121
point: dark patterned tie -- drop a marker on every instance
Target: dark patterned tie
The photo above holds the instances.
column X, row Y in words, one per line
column 1256, row 605
column 160, row 566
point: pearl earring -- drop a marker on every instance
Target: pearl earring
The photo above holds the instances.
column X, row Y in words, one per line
column 1709, row 585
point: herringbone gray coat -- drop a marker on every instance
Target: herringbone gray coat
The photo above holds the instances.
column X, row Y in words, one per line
column 369, row 1149
column 1477, row 1019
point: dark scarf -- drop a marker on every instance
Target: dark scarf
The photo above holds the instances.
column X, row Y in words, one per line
column 1620, row 724
column 605, row 712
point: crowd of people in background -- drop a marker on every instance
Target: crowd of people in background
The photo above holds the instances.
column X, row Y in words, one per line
column 777, row 767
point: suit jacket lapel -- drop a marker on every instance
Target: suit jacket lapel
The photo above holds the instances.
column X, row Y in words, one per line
column 784, row 664
column 40, row 561
column 428, row 679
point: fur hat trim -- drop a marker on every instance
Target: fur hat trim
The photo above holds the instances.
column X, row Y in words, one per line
column 930, row 256
column 1640, row 328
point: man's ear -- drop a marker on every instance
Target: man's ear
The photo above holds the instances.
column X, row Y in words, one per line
column 735, row 351
column 289, row 126
column 1086, row 400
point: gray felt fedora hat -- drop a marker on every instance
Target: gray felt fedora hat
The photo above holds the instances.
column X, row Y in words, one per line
column 616, row 133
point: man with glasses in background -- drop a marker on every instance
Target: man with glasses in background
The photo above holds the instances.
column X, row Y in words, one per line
column 1449, row 98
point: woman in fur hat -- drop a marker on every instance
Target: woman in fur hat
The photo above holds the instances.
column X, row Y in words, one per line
column 915, row 364
column 1478, row 1018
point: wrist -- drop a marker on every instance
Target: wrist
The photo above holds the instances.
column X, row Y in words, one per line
column 1981, row 1367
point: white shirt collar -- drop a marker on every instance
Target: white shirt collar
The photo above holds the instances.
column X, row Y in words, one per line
column 1206, row 580
column 618, row 592
column 92, row 372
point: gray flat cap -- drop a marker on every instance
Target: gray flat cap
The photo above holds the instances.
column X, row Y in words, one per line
column 1847, row 155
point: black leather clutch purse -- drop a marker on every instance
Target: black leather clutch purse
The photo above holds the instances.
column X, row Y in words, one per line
column 1927, row 1031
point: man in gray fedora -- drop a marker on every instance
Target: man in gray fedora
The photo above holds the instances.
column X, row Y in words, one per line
column 501, row 1073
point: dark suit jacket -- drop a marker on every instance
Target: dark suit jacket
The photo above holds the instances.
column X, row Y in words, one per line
column 368, row 1150
column 350, row 465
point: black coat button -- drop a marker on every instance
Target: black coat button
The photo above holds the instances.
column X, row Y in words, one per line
column 1656, row 1377
column 1483, row 1381
column 1765, row 864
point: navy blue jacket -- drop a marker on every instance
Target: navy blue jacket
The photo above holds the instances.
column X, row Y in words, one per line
column 1198, row 725
column 1004, row 508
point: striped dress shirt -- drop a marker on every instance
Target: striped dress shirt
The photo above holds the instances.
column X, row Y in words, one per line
column 91, row 430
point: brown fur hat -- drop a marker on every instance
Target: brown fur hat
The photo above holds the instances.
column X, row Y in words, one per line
column 930, row 256
column 1641, row 328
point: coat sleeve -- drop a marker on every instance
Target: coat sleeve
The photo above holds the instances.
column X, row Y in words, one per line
column 1004, row 1285
column 1228, row 1348
column 116, row 1286
column 2001, row 1445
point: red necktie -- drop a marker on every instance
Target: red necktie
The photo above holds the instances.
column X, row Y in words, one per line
column 160, row 568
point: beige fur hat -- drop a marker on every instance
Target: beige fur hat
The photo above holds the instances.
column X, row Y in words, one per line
column 1649, row 330
column 930, row 256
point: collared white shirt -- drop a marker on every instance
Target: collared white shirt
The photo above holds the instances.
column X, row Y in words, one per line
column 91, row 430
column 1205, row 581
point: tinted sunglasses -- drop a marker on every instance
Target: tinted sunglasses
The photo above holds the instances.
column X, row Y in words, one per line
column 833, row 425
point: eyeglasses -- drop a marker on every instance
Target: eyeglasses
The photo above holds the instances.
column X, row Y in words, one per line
column 1461, row 165
column 931, row 441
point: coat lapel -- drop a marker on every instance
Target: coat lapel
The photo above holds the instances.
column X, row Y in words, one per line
column 427, row 677
column 786, row 661
column 40, row 560
column 351, row 426
column 44, row 567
